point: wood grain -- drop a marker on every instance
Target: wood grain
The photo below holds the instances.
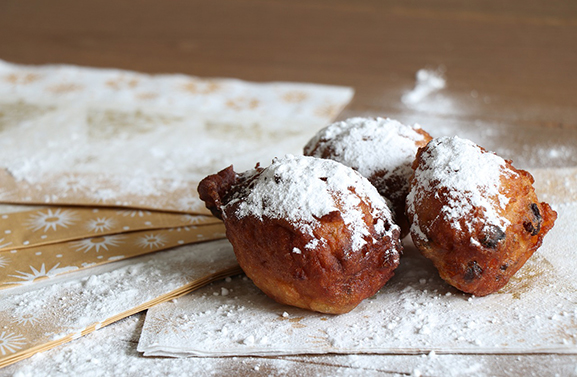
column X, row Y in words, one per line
column 519, row 55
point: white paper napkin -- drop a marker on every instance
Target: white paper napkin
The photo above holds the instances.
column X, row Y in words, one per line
column 75, row 135
column 416, row 312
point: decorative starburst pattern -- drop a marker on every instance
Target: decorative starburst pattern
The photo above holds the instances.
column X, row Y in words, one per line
column 103, row 195
column 3, row 245
column 295, row 96
column 191, row 219
column 11, row 342
column 45, row 220
column 66, row 87
column 327, row 111
column 182, row 228
column 22, row 78
column 189, row 203
column 27, row 319
column 98, row 243
column 100, row 224
column 243, row 103
column 38, row 274
column 201, row 86
column 122, row 82
column 71, row 183
column 152, row 241
column 5, row 194
column 3, row 261
column 133, row 213
column 34, row 275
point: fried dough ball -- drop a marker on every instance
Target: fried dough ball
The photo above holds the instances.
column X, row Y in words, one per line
column 474, row 215
column 310, row 233
column 382, row 150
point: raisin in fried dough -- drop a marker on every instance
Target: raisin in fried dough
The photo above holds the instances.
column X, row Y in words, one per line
column 310, row 233
column 474, row 215
column 382, row 150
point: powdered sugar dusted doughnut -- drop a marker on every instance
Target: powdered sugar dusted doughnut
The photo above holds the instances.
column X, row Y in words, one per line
column 474, row 215
column 309, row 232
column 382, row 150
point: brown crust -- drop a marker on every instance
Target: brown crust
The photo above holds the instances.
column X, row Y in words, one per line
column 214, row 188
column 397, row 187
column 482, row 262
column 328, row 278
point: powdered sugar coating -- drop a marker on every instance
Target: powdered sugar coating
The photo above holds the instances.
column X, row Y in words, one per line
column 370, row 145
column 304, row 189
column 470, row 177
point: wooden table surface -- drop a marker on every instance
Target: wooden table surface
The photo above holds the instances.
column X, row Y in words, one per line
column 512, row 63
column 519, row 54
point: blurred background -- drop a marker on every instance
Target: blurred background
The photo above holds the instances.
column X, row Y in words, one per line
column 508, row 66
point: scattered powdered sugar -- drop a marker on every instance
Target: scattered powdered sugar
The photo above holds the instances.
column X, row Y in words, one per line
column 369, row 145
column 428, row 81
column 534, row 313
column 303, row 189
column 415, row 312
column 112, row 352
column 312, row 244
column 143, row 133
column 471, row 177
column 486, row 118
column 73, row 303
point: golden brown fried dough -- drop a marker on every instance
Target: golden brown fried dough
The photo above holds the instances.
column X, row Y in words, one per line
column 382, row 150
column 474, row 215
column 310, row 233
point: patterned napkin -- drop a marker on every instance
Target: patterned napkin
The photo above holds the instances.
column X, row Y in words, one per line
column 126, row 150
column 416, row 312
column 45, row 243
column 57, row 224
column 72, row 135
column 28, row 266
column 101, row 138
column 34, row 320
